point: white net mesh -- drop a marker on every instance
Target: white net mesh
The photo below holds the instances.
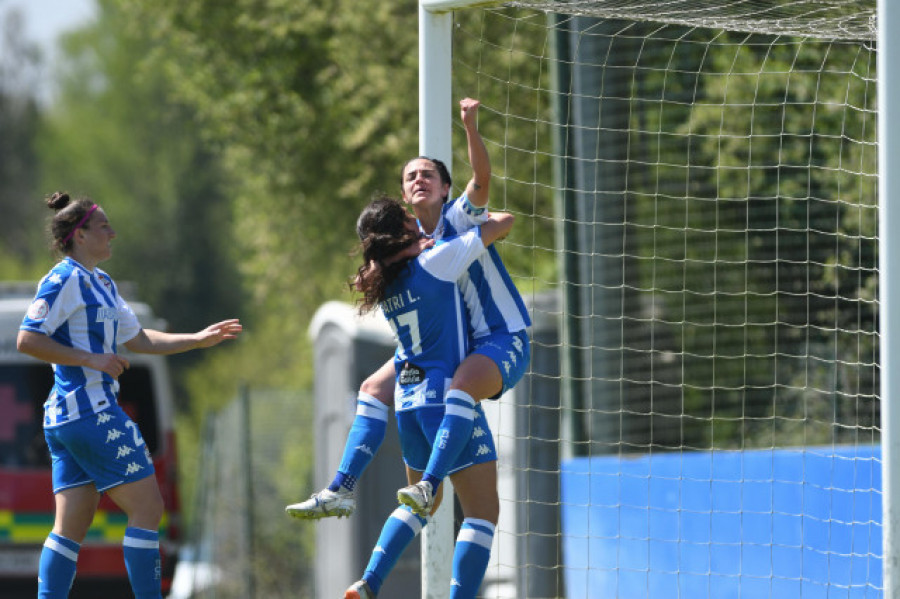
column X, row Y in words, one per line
column 841, row 19
column 695, row 185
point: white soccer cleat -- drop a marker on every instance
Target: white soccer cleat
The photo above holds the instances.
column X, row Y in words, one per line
column 419, row 497
column 324, row 504
column 359, row 590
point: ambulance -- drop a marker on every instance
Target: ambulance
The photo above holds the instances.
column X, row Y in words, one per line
column 26, row 496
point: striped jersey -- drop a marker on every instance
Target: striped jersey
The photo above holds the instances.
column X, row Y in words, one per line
column 426, row 311
column 492, row 301
column 81, row 309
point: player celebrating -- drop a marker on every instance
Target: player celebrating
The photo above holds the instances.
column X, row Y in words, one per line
column 421, row 300
column 500, row 348
column 76, row 322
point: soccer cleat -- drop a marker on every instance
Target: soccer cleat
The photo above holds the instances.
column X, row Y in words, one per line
column 359, row 590
column 324, row 504
column 419, row 497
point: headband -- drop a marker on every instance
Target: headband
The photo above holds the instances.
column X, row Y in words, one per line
column 80, row 224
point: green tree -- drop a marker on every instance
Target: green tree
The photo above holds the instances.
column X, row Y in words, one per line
column 20, row 62
column 117, row 134
column 762, row 199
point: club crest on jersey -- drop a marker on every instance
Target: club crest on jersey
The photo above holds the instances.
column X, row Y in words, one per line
column 38, row 309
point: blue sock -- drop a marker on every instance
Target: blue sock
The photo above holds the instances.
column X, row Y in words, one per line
column 56, row 570
column 366, row 435
column 452, row 436
column 141, row 549
column 470, row 557
column 399, row 530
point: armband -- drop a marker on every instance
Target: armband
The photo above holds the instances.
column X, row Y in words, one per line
column 473, row 210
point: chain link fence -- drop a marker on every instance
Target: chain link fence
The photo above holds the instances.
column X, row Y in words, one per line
column 256, row 455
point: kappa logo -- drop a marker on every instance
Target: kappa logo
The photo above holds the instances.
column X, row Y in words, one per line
column 113, row 434
column 133, row 467
column 506, row 366
column 365, row 449
column 103, row 418
column 455, row 583
column 478, row 432
column 483, row 450
column 512, row 356
column 517, row 343
column 442, row 439
column 55, row 278
column 124, row 450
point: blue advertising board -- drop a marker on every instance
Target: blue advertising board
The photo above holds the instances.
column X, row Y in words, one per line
column 785, row 524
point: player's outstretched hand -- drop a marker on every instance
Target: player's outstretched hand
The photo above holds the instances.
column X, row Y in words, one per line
column 219, row 332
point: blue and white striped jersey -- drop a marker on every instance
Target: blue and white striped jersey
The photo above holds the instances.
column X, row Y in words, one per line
column 81, row 309
column 492, row 300
column 425, row 309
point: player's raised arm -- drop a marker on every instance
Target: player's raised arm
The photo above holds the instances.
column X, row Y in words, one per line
column 477, row 188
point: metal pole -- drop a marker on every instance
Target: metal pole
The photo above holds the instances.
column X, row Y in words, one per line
column 248, row 492
column 888, row 282
column 435, row 140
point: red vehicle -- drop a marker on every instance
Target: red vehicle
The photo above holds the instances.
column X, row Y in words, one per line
column 26, row 497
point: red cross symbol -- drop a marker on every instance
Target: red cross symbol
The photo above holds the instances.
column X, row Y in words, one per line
column 12, row 413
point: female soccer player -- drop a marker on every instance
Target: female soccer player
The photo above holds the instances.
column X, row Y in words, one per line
column 500, row 348
column 76, row 322
column 422, row 302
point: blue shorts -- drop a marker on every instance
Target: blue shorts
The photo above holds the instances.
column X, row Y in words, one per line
column 419, row 427
column 511, row 352
column 105, row 449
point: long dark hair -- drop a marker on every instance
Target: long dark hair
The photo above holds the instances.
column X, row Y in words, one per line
column 69, row 213
column 382, row 232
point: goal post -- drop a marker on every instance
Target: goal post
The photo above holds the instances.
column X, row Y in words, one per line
column 702, row 192
column 889, row 284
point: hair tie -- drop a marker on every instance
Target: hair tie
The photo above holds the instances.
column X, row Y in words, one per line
column 80, row 224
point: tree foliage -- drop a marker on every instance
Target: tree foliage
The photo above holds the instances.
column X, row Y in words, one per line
column 20, row 64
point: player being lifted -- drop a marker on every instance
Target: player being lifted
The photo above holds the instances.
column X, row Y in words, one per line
column 498, row 321
column 420, row 298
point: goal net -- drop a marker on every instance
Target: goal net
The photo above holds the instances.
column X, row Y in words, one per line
column 695, row 184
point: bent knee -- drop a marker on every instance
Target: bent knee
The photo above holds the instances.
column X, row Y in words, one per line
column 379, row 388
column 489, row 513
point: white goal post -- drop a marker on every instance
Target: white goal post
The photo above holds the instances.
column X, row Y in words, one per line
column 437, row 100
column 889, row 285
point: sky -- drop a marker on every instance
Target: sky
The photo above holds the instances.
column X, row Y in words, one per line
column 44, row 21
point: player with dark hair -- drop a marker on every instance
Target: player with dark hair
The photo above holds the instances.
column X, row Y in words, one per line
column 420, row 298
column 500, row 348
column 76, row 322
